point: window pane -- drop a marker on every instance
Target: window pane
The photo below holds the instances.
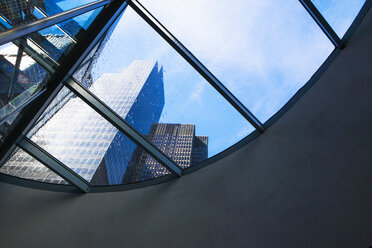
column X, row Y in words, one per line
column 16, row 12
column 21, row 78
column 59, row 39
column 22, row 165
column 40, row 52
column 156, row 91
column 84, row 141
column 339, row 13
column 263, row 51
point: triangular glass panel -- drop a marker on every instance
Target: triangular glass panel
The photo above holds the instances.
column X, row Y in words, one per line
column 76, row 135
column 262, row 51
column 155, row 90
column 21, row 164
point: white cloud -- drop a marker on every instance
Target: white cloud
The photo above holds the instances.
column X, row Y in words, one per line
column 263, row 51
column 196, row 92
column 259, row 49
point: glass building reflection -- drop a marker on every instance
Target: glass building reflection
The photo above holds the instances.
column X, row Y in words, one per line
column 80, row 138
column 177, row 141
column 74, row 133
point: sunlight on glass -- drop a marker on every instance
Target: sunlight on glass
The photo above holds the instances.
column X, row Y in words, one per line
column 21, row 164
column 90, row 146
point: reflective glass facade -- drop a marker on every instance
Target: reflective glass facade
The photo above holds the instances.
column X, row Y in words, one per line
column 24, row 166
column 177, row 141
column 90, row 147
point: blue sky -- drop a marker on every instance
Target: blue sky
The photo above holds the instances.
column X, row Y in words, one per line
column 339, row 13
column 263, row 51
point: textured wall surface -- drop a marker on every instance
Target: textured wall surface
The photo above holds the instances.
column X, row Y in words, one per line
column 305, row 182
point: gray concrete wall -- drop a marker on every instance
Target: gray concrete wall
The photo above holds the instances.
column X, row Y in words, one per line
column 306, row 182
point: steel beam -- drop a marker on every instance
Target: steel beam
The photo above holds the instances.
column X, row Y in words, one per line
column 55, row 165
column 118, row 122
column 194, row 62
column 23, row 30
column 322, row 23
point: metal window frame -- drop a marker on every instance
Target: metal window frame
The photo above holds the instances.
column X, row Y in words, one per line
column 322, row 23
column 18, row 32
column 110, row 115
column 58, row 26
column 47, row 63
column 30, row 114
column 118, row 122
column 54, row 164
column 195, row 63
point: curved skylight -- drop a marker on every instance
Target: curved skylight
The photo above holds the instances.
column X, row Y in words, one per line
column 105, row 94
column 126, row 62
column 263, row 51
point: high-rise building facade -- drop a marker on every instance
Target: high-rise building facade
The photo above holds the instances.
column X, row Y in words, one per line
column 139, row 99
column 88, row 144
column 177, row 141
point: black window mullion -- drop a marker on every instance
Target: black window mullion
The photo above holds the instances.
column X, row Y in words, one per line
column 118, row 122
column 195, row 63
column 23, row 30
column 322, row 23
column 54, row 164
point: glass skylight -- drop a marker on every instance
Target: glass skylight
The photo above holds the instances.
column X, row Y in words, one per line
column 121, row 94
column 181, row 96
column 263, row 51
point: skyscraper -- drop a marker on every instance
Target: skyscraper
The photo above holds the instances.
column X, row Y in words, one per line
column 88, row 144
column 177, row 141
